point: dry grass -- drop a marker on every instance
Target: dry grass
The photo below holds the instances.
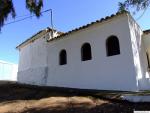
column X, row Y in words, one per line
column 19, row 98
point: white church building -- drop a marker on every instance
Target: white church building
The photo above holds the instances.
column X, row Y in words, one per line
column 112, row 53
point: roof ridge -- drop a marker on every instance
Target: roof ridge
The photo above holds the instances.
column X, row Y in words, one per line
column 48, row 29
column 92, row 23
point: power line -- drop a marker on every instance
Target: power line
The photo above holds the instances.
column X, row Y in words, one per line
column 141, row 15
column 15, row 21
column 18, row 20
column 21, row 16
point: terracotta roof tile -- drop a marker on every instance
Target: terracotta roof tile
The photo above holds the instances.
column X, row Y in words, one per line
column 74, row 30
column 86, row 26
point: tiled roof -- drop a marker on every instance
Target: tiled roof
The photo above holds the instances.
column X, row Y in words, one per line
column 147, row 31
column 29, row 39
column 88, row 25
column 72, row 31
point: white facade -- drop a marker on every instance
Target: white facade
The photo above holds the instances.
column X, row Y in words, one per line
column 8, row 71
column 127, row 71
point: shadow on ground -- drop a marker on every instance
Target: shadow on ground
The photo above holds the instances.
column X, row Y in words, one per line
column 15, row 91
column 103, row 108
column 44, row 97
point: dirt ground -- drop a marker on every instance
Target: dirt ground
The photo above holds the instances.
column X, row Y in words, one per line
column 19, row 98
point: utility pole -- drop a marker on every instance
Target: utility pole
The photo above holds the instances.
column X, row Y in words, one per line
column 52, row 27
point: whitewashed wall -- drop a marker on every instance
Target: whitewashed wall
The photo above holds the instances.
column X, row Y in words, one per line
column 139, row 55
column 102, row 72
column 33, row 63
column 140, row 44
column 39, row 60
column 146, row 80
column 8, row 71
column 146, row 40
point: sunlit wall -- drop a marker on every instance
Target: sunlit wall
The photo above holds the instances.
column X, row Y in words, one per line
column 8, row 71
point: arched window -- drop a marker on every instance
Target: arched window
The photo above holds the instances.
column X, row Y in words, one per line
column 112, row 46
column 63, row 57
column 86, row 53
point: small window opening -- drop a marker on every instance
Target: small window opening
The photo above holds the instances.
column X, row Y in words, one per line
column 63, row 57
column 112, row 46
column 86, row 53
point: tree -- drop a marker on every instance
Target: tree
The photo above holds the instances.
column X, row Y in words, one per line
column 34, row 6
column 7, row 8
column 137, row 4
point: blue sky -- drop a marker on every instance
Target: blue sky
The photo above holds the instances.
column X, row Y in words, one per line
column 67, row 15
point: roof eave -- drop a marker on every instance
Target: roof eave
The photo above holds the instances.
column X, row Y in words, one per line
column 88, row 25
column 147, row 31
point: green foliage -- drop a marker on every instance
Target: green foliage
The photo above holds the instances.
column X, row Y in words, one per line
column 7, row 7
column 34, row 6
column 121, row 7
column 137, row 4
